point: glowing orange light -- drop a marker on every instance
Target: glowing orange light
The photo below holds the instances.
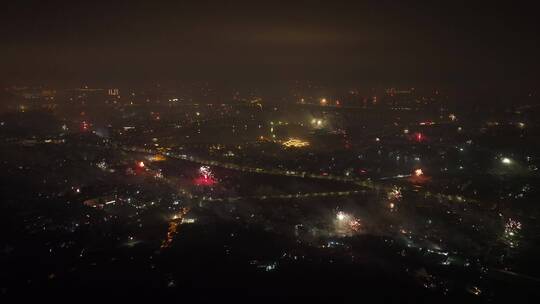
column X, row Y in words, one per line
column 295, row 143
column 157, row 158
column 418, row 172
column 141, row 164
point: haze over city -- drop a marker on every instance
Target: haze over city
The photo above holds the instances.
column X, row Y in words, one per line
column 270, row 150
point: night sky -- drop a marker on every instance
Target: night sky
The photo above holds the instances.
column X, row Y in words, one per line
column 337, row 41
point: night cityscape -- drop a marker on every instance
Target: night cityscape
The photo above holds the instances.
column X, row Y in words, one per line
column 348, row 151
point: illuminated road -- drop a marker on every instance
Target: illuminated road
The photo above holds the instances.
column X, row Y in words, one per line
column 284, row 196
column 236, row 167
column 365, row 183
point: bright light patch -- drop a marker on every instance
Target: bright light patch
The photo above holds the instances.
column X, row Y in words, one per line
column 205, row 171
column 206, row 177
column 419, row 137
column 395, row 193
column 156, row 158
column 506, row 161
column 295, row 143
column 347, row 223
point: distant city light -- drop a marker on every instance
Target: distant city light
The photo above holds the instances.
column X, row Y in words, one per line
column 85, row 126
column 317, row 122
column 295, row 143
column 419, row 137
column 506, row 161
column 156, row 158
column 275, row 169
